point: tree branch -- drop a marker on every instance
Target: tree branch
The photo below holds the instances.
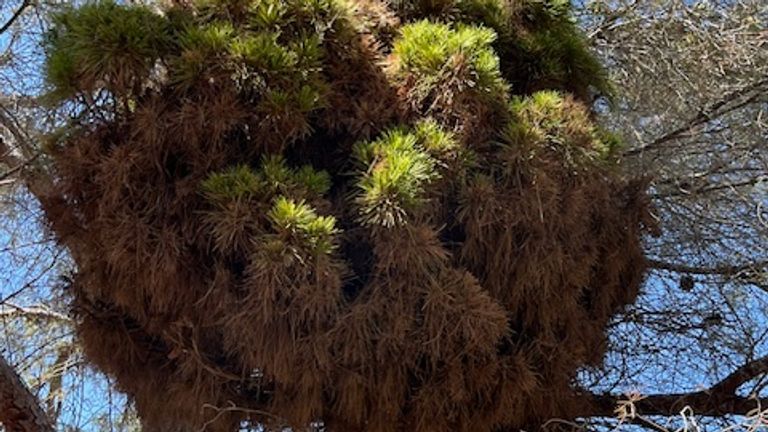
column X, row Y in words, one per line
column 20, row 410
column 33, row 312
column 701, row 403
column 25, row 147
column 711, row 188
column 19, row 167
column 720, row 399
column 740, row 376
column 721, row 270
column 706, row 114
column 16, row 15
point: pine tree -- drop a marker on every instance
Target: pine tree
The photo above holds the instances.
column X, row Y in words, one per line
column 339, row 215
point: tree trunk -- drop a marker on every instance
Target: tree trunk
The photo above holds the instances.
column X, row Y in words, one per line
column 19, row 409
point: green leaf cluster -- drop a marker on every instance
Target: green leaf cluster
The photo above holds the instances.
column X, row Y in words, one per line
column 559, row 55
column 547, row 119
column 103, row 45
column 304, row 182
column 435, row 140
column 433, row 52
column 541, row 46
column 199, row 49
column 395, row 171
column 272, row 51
column 298, row 223
column 235, row 184
column 538, row 42
column 285, row 194
column 273, row 177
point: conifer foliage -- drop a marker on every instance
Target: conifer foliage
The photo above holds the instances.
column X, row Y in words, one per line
column 340, row 215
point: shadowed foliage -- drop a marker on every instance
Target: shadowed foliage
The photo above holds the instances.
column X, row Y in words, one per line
column 345, row 215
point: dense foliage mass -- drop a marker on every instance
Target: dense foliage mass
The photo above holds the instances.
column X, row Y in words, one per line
column 352, row 216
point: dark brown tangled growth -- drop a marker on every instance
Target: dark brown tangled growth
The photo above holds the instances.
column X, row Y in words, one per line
column 351, row 216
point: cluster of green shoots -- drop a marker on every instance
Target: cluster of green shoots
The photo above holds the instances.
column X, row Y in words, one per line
column 397, row 169
column 536, row 40
column 271, row 50
column 105, row 45
column 548, row 120
column 432, row 53
column 281, row 199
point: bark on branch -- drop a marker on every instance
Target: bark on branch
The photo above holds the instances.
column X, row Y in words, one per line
column 701, row 403
column 20, row 410
column 720, row 399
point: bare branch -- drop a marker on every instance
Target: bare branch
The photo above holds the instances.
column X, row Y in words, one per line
column 723, row 270
column 19, row 167
column 33, row 312
column 16, row 15
column 743, row 95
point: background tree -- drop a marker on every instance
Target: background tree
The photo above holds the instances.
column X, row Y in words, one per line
column 691, row 104
column 38, row 340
